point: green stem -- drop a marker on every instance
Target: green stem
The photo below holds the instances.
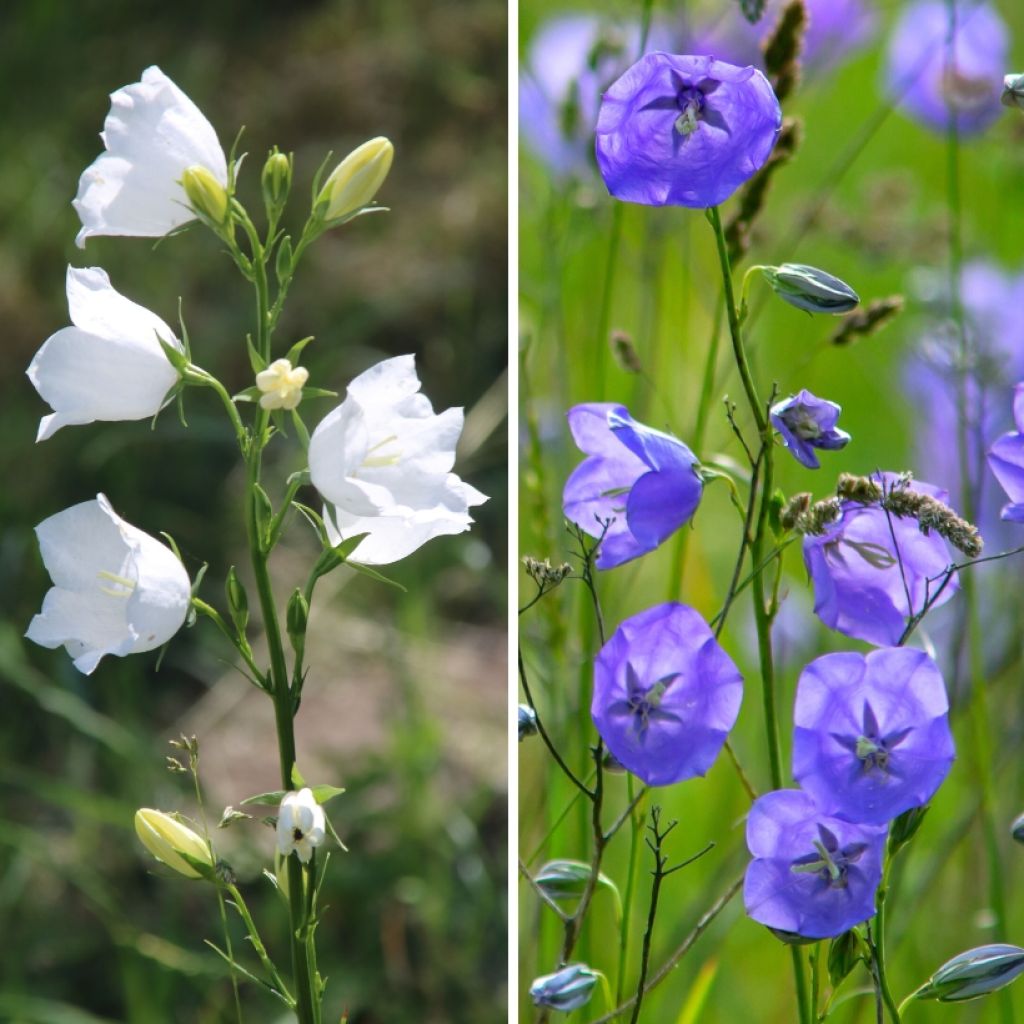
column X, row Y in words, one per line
column 257, row 944
column 627, row 903
column 762, row 613
column 879, row 950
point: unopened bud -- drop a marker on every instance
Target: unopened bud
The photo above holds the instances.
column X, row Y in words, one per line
column 565, row 990
column 1017, row 829
column 976, row 972
column 568, row 879
column 173, row 844
column 810, row 289
column 297, row 616
column 238, row 602
column 355, row 181
column 276, row 179
column 206, row 194
column 1013, row 91
column 843, row 955
column 527, row 722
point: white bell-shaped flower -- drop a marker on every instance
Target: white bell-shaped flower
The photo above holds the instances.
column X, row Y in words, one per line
column 153, row 134
column 300, row 824
column 109, row 365
column 383, row 460
column 116, row 589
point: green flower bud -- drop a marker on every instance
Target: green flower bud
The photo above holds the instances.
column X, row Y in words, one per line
column 811, row 289
column 567, row 879
column 974, row 973
column 843, row 954
column 296, row 618
column 355, row 181
column 206, row 194
column 1013, row 91
column 238, row 602
column 276, row 179
column 173, row 844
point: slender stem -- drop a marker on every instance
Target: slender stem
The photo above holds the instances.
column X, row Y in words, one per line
column 257, row 944
column 627, row 902
column 879, row 950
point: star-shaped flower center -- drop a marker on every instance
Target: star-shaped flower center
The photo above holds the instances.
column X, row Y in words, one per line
column 802, row 422
column 829, row 862
column 871, row 748
column 644, row 702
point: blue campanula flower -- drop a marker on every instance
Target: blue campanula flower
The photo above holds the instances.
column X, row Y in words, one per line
column 920, row 76
column 685, row 130
column 866, row 565
column 567, row 989
column 812, row 875
column 807, row 422
column 872, row 736
column 1006, row 460
column 645, row 483
column 665, row 694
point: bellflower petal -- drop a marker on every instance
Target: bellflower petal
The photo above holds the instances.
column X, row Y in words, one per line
column 872, row 736
column 665, row 694
column 812, row 874
column 109, row 365
column 917, row 71
column 860, row 588
column 645, row 483
column 383, row 461
column 1006, row 460
column 807, row 422
column 152, row 135
column 116, row 589
column 685, row 130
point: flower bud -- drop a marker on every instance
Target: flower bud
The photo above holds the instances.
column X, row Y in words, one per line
column 843, row 955
column 296, row 618
column 568, row 879
column 276, row 179
column 238, row 602
column 1017, row 829
column 173, row 844
column 1013, row 91
column 811, row 289
column 527, row 722
column 355, row 181
column 974, row 973
column 565, row 990
column 281, row 385
column 206, row 194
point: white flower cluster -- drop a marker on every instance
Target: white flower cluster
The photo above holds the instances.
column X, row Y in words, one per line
column 382, row 459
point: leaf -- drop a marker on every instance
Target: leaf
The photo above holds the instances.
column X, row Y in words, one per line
column 297, row 780
column 334, row 835
column 258, row 363
column 325, row 792
column 250, row 394
column 275, row 796
column 374, row 575
column 296, row 350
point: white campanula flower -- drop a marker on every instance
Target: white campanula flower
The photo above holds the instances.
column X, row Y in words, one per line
column 300, row 824
column 116, row 589
column 153, row 134
column 109, row 365
column 383, row 461
column 281, row 384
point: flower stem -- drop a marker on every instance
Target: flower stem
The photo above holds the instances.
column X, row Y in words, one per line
column 878, row 950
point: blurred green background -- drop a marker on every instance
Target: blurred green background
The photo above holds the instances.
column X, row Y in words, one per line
column 406, row 699
column 869, row 186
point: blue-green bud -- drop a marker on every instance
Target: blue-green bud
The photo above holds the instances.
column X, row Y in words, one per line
column 238, row 602
column 567, row 879
column 527, row 722
column 905, row 827
column 565, row 990
column 843, row 955
column 296, row 618
column 1013, row 91
column 1017, row 829
column 974, row 973
column 811, row 289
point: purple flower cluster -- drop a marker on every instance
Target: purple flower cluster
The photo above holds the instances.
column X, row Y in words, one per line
column 871, row 740
column 637, row 486
column 685, row 130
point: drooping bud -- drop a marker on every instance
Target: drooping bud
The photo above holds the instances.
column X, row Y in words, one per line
column 565, row 990
column 173, row 843
column 206, row 194
column 1017, row 829
column 1013, row 91
column 355, row 181
column 811, row 289
column 276, row 179
column 974, row 973
column 568, row 879
column 527, row 722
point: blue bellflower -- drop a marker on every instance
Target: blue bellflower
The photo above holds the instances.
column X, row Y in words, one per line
column 872, row 736
column 1006, row 460
column 807, row 422
column 812, row 875
column 685, row 130
column 642, row 482
column 665, row 694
